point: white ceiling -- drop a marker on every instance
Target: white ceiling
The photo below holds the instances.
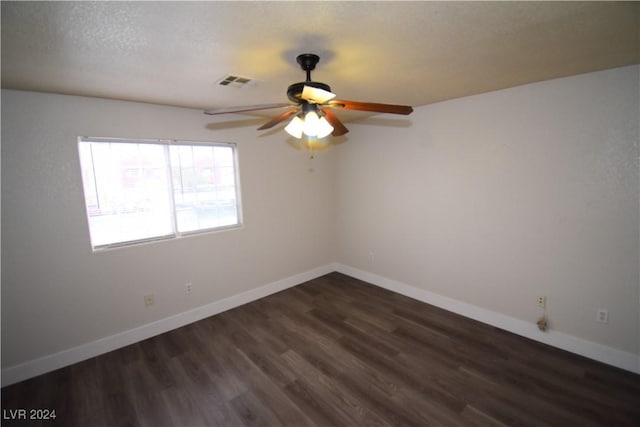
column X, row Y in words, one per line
column 412, row 53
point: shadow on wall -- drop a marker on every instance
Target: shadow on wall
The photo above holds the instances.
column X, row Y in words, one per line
column 386, row 122
column 230, row 124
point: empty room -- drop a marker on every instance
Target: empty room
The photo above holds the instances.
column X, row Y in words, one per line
column 320, row 213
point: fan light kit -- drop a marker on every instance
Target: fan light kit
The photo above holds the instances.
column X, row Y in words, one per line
column 309, row 123
column 311, row 107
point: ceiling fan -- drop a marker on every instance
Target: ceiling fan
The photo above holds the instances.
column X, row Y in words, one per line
column 311, row 106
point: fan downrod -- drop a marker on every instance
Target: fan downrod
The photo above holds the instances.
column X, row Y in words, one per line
column 307, row 62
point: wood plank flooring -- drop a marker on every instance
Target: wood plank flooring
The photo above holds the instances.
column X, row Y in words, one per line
column 334, row 351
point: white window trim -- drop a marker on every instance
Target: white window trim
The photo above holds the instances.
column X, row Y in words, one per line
column 176, row 234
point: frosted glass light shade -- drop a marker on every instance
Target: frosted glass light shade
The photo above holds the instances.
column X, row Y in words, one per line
column 316, row 126
column 312, row 126
column 324, row 128
column 295, row 127
column 311, row 121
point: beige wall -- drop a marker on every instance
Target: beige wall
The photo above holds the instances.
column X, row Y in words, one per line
column 490, row 200
column 495, row 199
column 57, row 294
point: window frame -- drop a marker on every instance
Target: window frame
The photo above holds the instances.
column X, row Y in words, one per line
column 175, row 234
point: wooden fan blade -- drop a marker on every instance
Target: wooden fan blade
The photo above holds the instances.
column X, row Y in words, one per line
column 282, row 117
column 316, row 95
column 370, row 106
column 338, row 127
column 244, row 108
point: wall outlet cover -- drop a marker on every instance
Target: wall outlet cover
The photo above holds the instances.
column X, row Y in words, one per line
column 602, row 315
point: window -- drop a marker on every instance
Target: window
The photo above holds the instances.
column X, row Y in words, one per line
column 145, row 190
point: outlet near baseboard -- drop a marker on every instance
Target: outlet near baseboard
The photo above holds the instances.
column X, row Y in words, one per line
column 148, row 300
column 542, row 301
column 602, row 315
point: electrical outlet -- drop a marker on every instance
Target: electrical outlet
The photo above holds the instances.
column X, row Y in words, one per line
column 372, row 256
column 602, row 315
column 188, row 287
column 148, row 300
column 542, row 301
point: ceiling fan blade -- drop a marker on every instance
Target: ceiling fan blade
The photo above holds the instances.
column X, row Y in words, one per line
column 282, row 117
column 244, row 108
column 316, row 95
column 370, row 106
column 338, row 127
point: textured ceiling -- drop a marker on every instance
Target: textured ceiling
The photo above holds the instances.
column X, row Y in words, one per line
column 413, row 53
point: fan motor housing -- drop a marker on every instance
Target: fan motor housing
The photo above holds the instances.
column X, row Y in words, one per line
column 294, row 92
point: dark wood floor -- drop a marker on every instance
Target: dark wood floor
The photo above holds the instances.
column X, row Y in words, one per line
column 334, row 351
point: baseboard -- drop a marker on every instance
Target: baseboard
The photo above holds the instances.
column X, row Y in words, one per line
column 590, row 349
column 77, row 354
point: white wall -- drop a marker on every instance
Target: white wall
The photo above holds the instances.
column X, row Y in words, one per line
column 495, row 199
column 57, row 294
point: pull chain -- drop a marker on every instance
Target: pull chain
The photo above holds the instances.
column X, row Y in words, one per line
column 311, row 157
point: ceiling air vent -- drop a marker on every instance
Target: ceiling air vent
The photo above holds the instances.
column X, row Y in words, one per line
column 237, row 81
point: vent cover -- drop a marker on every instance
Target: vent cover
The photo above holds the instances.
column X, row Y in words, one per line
column 237, row 81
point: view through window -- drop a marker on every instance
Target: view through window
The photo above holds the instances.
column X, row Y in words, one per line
column 144, row 190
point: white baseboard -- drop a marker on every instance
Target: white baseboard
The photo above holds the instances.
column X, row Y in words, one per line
column 590, row 349
column 82, row 352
